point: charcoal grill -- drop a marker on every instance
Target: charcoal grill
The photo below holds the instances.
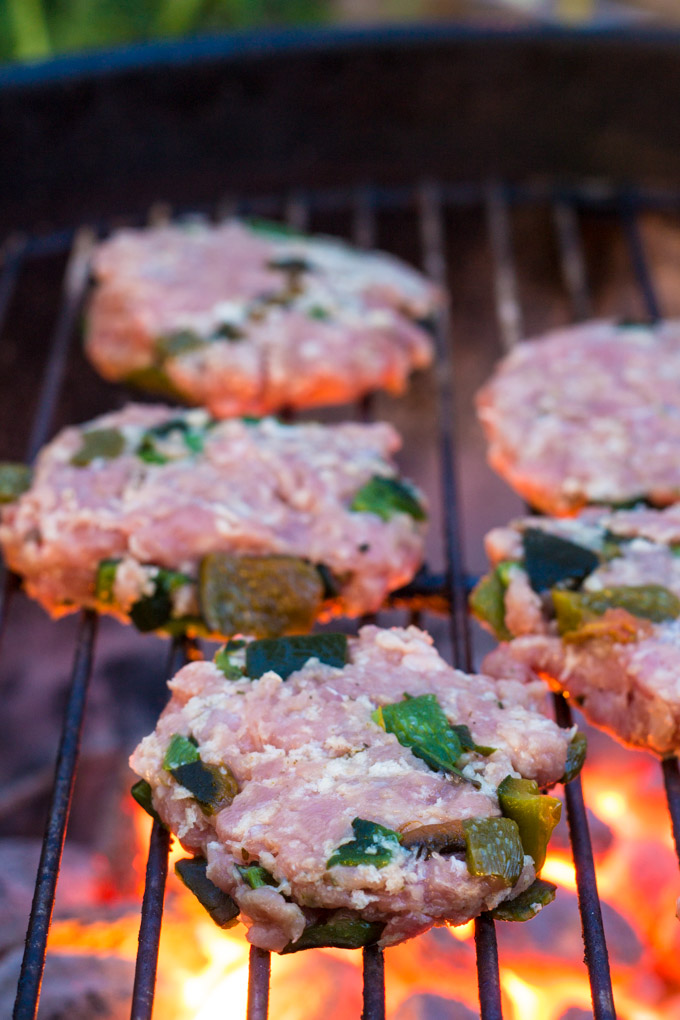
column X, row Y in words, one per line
column 510, row 165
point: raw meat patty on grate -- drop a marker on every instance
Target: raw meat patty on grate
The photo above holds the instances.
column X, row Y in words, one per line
column 246, row 318
column 588, row 414
column 308, row 759
column 132, row 512
column 592, row 604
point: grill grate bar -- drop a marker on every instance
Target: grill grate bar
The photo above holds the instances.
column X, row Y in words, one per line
column 26, row 1005
column 259, row 968
column 505, row 278
column 150, row 926
column 374, row 984
column 652, row 304
column 434, row 259
column 75, row 281
column 572, row 259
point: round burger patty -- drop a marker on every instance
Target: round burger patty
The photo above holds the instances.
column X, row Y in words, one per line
column 182, row 522
column 592, row 604
column 246, row 317
column 588, row 414
column 359, row 794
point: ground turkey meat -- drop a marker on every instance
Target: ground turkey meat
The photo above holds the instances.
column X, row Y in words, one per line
column 246, row 318
column 129, row 512
column 592, row 604
column 309, row 758
column 588, row 414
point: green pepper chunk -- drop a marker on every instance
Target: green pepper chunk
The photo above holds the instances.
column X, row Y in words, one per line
column 535, row 814
column 105, row 581
column 372, row 844
column 576, row 756
column 14, row 479
column 270, row 228
column 172, row 345
column 387, row 497
column 467, row 743
column 223, row 662
column 155, row 380
column 255, row 875
column 342, row 929
column 487, row 599
column 212, row 786
column 550, row 559
column 142, row 793
column 419, row 724
column 646, row 601
column 193, row 873
column 151, row 452
column 99, row 443
column 493, row 848
column 154, row 611
column 527, row 904
column 289, row 654
column 265, row 596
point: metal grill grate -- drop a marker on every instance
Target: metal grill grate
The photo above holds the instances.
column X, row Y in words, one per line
column 428, row 207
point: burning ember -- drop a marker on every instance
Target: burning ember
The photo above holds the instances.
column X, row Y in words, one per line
column 203, row 969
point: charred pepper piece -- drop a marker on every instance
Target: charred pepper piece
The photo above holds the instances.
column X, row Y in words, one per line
column 487, row 600
column 535, row 814
column 193, row 872
column 286, row 655
column 493, row 848
column 342, row 929
column 141, row 792
column 646, row 601
column 387, row 497
column 551, row 559
column 99, row 443
column 419, row 724
column 265, row 596
column 154, row 611
column 527, row 904
column 576, row 756
column 212, row 786
column 440, row 838
column 372, row 844
column 14, row 479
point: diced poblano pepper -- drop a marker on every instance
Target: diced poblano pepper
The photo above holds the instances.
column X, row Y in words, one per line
column 576, row 756
column 223, row 662
column 372, row 844
column 142, row 793
column 647, row 602
column 420, row 724
column 467, row 743
column 154, row 611
column 535, row 814
column 264, row 596
column 550, row 559
column 98, row 443
column 212, row 786
column 527, row 904
column 105, row 581
column 150, row 448
column 14, row 479
column 171, row 345
column 387, row 497
column 487, row 600
column 255, row 875
column 289, row 654
column 193, row 872
column 343, row 929
column 494, row 848
column 154, row 379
